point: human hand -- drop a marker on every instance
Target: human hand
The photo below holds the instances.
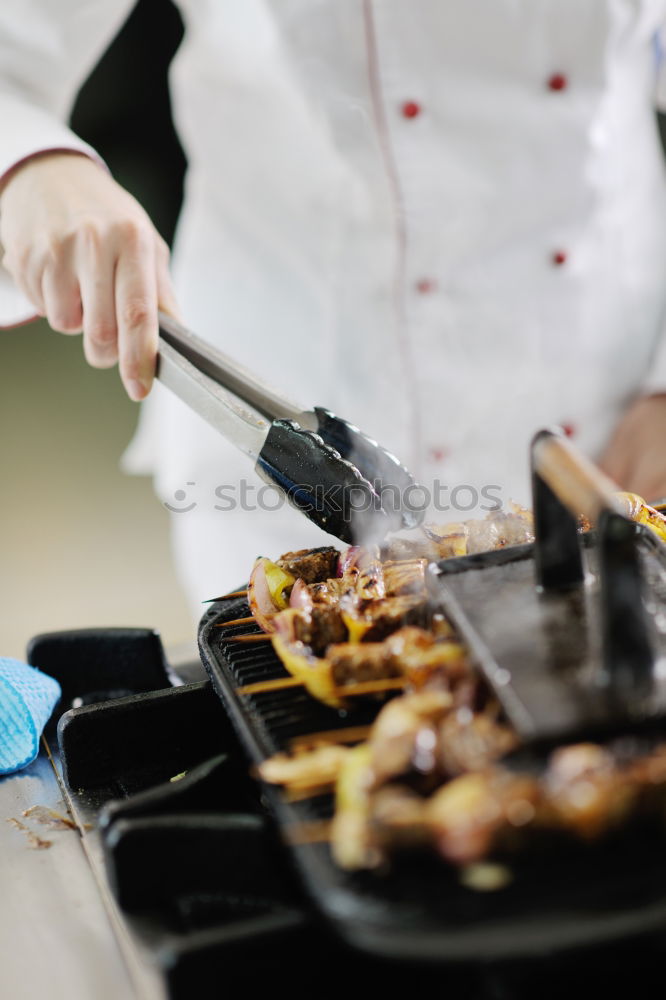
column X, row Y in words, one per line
column 635, row 456
column 87, row 256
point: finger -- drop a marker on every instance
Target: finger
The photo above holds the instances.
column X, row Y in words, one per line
column 62, row 298
column 136, row 314
column 165, row 294
column 27, row 279
column 100, row 332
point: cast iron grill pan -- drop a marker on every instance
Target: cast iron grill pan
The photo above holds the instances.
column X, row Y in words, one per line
column 562, row 896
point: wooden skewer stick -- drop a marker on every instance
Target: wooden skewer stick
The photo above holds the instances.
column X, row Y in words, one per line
column 237, row 621
column 298, row 793
column 260, row 637
column 365, row 687
column 234, row 593
column 275, row 685
column 351, row 734
column 315, row 832
column 370, row 687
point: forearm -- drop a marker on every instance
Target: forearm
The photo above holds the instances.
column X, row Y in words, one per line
column 636, row 453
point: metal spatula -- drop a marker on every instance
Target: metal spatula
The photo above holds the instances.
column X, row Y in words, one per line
column 570, row 632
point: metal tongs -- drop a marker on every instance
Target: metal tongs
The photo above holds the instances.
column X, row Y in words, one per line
column 570, row 632
column 337, row 476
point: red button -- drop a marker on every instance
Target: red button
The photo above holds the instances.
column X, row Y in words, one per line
column 411, row 109
column 425, row 285
column 559, row 257
column 569, row 429
column 558, row 81
column 438, row 454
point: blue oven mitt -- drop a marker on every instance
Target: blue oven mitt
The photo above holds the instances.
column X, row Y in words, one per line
column 27, row 698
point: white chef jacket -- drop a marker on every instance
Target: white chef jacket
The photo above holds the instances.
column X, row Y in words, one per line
column 444, row 219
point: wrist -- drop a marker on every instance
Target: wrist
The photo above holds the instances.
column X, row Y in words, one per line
column 36, row 161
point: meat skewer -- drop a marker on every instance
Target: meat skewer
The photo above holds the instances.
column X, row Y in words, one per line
column 429, row 771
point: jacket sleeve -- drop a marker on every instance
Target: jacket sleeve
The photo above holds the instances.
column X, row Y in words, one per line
column 655, row 381
column 47, row 49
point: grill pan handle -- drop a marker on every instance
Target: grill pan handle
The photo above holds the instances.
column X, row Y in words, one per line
column 578, row 483
column 565, row 485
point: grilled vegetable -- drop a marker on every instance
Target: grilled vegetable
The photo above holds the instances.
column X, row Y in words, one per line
column 637, row 509
column 267, row 592
column 313, row 672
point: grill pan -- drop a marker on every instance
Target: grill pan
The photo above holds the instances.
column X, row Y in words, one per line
column 543, row 649
column 559, row 899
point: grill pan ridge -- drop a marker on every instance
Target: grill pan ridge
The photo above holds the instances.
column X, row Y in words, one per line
column 559, row 899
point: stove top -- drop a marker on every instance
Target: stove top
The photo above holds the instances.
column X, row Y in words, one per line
column 195, row 878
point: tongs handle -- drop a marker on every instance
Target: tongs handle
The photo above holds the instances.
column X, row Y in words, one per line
column 227, row 372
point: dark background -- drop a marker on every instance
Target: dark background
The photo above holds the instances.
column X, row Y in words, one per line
column 124, row 112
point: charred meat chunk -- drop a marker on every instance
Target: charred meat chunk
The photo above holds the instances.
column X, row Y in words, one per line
column 585, row 791
column 467, row 815
column 470, row 741
column 403, row 737
column 423, row 657
column 311, row 565
column 328, row 591
column 405, row 576
column 317, row 628
column 355, row 662
column 377, row 619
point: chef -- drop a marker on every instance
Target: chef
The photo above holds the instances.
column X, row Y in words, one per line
column 444, row 219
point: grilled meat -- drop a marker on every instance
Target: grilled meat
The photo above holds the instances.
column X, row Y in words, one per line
column 312, row 769
column 353, row 662
column 369, row 581
column 404, row 576
column 469, row 741
column 466, row 815
column 328, row 591
column 399, row 549
column 431, row 769
column 311, row 565
column 496, row 531
column 316, row 628
column 373, row 620
column 585, row 791
column 424, row 657
column 449, row 540
column 403, row 737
